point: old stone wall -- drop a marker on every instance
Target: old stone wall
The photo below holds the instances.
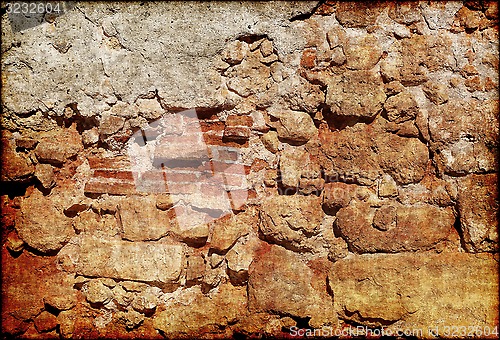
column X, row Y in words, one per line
column 225, row 169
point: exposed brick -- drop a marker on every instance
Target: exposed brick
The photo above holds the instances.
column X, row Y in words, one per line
column 308, row 59
column 182, row 188
column 216, row 138
column 212, row 126
column 231, row 168
column 237, row 120
column 116, row 174
column 227, row 155
column 213, row 189
column 235, row 180
column 108, row 187
column 237, row 133
column 239, row 198
column 118, row 163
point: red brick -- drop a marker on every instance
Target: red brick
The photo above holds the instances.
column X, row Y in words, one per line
column 239, row 198
column 182, row 188
column 154, row 175
column 236, row 120
column 308, row 59
column 184, row 139
column 236, row 133
column 111, row 188
column 216, row 138
column 230, row 168
column 213, row 189
column 119, row 163
column 212, row 126
column 181, row 177
column 116, row 174
column 235, row 180
column 227, row 155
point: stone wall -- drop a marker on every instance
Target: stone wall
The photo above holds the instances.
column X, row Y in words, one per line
column 251, row 169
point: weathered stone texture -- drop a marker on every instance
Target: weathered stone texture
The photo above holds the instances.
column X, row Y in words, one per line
column 393, row 228
column 423, row 290
column 142, row 261
column 249, row 169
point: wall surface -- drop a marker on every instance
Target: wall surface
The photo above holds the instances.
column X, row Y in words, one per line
column 220, row 169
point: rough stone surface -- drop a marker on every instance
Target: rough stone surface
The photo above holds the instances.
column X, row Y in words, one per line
column 478, row 207
column 42, row 225
column 201, row 313
column 15, row 167
column 394, row 290
column 393, row 228
column 161, row 263
column 281, row 283
column 56, row 147
column 246, row 170
column 366, row 94
column 359, row 154
column 289, row 221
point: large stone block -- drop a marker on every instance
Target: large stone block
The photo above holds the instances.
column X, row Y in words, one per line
column 363, row 152
column 464, row 136
column 425, row 291
column 42, row 225
column 139, row 261
column 202, row 314
column 356, row 94
column 280, row 282
column 291, row 220
column 141, row 220
column 478, row 208
column 393, row 228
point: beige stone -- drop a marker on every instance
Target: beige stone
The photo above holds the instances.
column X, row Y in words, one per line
column 393, row 228
column 357, row 154
column 356, row 93
column 110, row 124
column 96, row 292
column 142, row 261
column 227, row 231
column 195, row 268
column 203, row 314
column 281, row 283
column 41, row 225
column 294, row 126
column 478, row 208
column 240, row 257
column 387, row 187
column 437, row 93
column 46, row 322
column 353, row 14
column 395, row 290
column 290, row 220
column 147, row 300
column 15, row 166
column 292, row 161
column 401, row 107
column 141, row 220
column 45, row 174
column 362, row 54
column 131, row 319
column 14, row 242
column 57, row 146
